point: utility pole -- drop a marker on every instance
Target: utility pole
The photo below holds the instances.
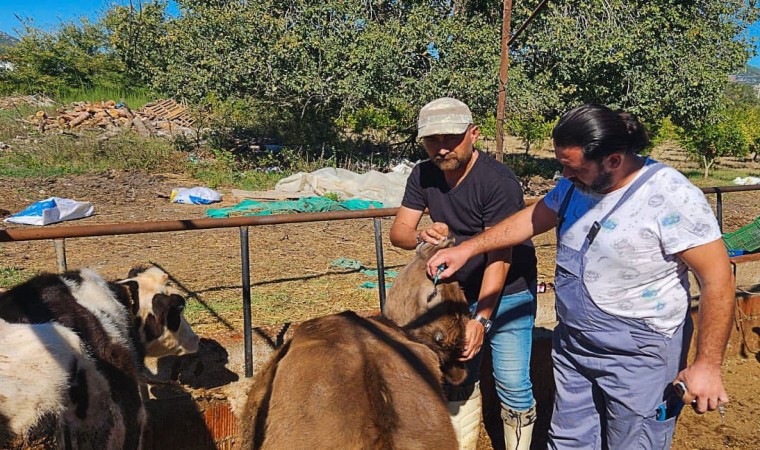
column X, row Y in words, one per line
column 505, row 30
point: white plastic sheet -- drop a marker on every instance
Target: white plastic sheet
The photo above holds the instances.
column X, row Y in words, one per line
column 746, row 181
column 387, row 188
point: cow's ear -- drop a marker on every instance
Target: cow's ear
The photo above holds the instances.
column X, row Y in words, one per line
column 426, row 251
column 451, row 290
column 455, row 374
column 133, row 288
column 168, row 309
column 174, row 317
column 161, row 305
column 135, row 271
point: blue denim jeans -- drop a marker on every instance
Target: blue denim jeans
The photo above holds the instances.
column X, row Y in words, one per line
column 510, row 340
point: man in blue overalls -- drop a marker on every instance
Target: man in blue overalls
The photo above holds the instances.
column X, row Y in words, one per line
column 628, row 229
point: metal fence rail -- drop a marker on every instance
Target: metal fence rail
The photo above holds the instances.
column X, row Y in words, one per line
column 60, row 233
column 112, row 229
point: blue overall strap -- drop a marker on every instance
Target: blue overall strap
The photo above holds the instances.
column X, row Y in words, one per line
column 563, row 209
column 637, row 183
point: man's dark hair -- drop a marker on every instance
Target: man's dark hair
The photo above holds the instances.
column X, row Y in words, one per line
column 600, row 131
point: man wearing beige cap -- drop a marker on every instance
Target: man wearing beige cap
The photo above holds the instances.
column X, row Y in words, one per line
column 466, row 192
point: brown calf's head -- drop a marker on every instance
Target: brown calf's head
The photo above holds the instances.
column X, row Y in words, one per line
column 157, row 308
column 433, row 314
column 413, row 293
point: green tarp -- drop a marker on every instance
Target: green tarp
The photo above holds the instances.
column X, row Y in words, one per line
column 302, row 205
column 346, row 263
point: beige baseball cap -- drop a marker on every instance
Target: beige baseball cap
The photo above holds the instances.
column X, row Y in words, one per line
column 443, row 116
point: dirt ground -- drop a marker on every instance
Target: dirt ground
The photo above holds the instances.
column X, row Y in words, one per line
column 291, row 273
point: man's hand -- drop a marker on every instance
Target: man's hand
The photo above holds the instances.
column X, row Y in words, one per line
column 709, row 263
column 453, row 258
column 435, row 234
column 473, row 339
column 704, row 384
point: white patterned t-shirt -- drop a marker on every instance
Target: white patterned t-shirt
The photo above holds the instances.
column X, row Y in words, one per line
column 632, row 270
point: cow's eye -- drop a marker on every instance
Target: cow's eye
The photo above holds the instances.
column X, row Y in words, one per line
column 438, row 336
column 180, row 308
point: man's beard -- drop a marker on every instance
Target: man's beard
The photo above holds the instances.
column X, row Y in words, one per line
column 451, row 161
column 599, row 185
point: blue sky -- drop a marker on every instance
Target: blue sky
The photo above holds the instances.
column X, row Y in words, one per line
column 48, row 13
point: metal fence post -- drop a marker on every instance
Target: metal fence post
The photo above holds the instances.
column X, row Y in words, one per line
column 719, row 208
column 246, row 274
column 380, row 262
column 60, row 254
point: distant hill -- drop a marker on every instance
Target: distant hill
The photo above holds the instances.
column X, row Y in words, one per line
column 6, row 40
column 750, row 75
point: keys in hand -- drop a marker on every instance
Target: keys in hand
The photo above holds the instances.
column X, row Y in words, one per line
column 680, row 389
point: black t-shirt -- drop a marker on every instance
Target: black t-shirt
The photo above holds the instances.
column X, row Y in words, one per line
column 489, row 193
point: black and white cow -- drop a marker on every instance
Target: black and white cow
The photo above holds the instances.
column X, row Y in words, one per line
column 71, row 353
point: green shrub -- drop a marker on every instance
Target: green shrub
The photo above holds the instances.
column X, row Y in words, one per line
column 135, row 98
column 664, row 131
column 525, row 166
column 73, row 56
column 334, row 196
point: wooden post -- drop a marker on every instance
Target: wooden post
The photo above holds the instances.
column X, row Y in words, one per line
column 505, row 30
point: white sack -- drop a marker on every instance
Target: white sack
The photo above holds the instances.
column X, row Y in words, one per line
column 52, row 210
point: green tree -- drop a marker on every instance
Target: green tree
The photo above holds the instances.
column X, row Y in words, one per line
column 721, row 136
column 529, row 104
column 531, row 130
column 317, row 65
column 743, row 106
column 73, row 56
column 748, row 119
column 740, row 94
column 654, row 58
column 338, row 70
column 663, row 131
column 136, row 34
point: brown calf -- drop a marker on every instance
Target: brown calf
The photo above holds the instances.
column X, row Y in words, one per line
column 345, row 381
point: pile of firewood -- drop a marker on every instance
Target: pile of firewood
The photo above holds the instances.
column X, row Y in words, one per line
column 116, row 117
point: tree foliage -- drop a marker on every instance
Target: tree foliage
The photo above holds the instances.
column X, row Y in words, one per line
column 136, row 36
column 652, row 58
column 711, row 140
column 322, row 72
column 732, row 130
column 321, row 67
column 74, row 56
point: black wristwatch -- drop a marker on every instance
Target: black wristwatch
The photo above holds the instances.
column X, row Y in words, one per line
column 483, row 321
